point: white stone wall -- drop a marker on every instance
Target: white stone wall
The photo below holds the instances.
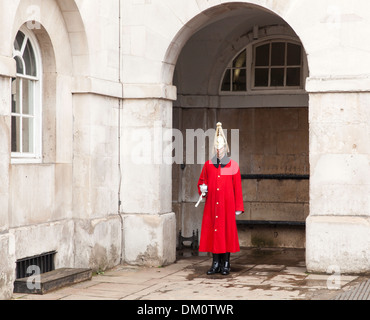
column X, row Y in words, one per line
column 7, row 245
column 69, row 202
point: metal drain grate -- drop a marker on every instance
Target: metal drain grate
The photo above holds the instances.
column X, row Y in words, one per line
column 44, row 262
column 360, row 292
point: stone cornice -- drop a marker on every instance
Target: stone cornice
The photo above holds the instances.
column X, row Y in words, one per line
column 84, row 85
column 340, row 84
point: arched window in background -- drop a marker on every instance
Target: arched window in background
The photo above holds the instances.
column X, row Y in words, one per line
column 268, row 65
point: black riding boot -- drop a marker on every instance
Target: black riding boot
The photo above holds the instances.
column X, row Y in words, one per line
column 216, row 264
column 225, row 266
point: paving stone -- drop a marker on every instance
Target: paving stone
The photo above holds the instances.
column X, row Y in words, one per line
column 255, row 275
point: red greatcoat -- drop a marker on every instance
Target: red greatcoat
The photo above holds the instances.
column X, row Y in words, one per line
column 219, row 232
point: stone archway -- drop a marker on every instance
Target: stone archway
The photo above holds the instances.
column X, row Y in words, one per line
column 204, row 47
column 338, row 225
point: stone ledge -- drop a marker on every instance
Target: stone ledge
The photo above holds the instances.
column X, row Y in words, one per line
column 90, row 85
column 53, row 280
column 341, row 84
column 149, row 91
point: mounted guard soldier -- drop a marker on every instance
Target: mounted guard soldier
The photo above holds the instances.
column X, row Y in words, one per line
column 220, row 184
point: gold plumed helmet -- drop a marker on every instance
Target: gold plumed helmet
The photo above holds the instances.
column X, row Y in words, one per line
column 220, row 139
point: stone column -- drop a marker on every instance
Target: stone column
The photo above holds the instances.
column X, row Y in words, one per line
column 97, row 239
column 7, row 247
column 146, row 186
column 338, row 228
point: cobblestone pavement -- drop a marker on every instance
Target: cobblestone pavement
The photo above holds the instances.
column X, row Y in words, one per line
column 256, row 274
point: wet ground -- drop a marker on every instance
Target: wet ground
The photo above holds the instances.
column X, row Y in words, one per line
column 256, row 274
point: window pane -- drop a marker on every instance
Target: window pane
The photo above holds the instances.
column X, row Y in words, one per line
column 16, row 95
column 19, row 62
column 27, row 97
column 27, row 135
column 293, row 77
column 277, row 77
column 263, row 55
column 240, row 80
column 18, row 41
column 226, row 82
column 278, row 54
column 294, row 55
column 16, row 134
column 261, row 77
column 29, row 60
column 240, row 60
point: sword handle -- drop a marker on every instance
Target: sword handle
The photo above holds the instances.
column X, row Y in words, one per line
column 200, row 199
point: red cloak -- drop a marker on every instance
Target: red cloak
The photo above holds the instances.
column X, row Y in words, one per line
column 219, row 233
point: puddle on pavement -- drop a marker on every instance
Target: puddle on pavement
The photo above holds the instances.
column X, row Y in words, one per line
column 272, row 260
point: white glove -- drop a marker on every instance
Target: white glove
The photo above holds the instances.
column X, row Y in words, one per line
column 203, row 189
column 238, row 212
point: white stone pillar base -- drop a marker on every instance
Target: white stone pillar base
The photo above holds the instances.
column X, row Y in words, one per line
column 149, row 239
column 7, row 266
column 340, row 243
column 97, row 243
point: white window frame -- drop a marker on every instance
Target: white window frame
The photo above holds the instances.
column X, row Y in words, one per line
column 270, row 67
column 36, row 155
column 250, row 70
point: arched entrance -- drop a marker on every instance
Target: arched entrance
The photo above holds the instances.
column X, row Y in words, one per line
column 244, row 66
